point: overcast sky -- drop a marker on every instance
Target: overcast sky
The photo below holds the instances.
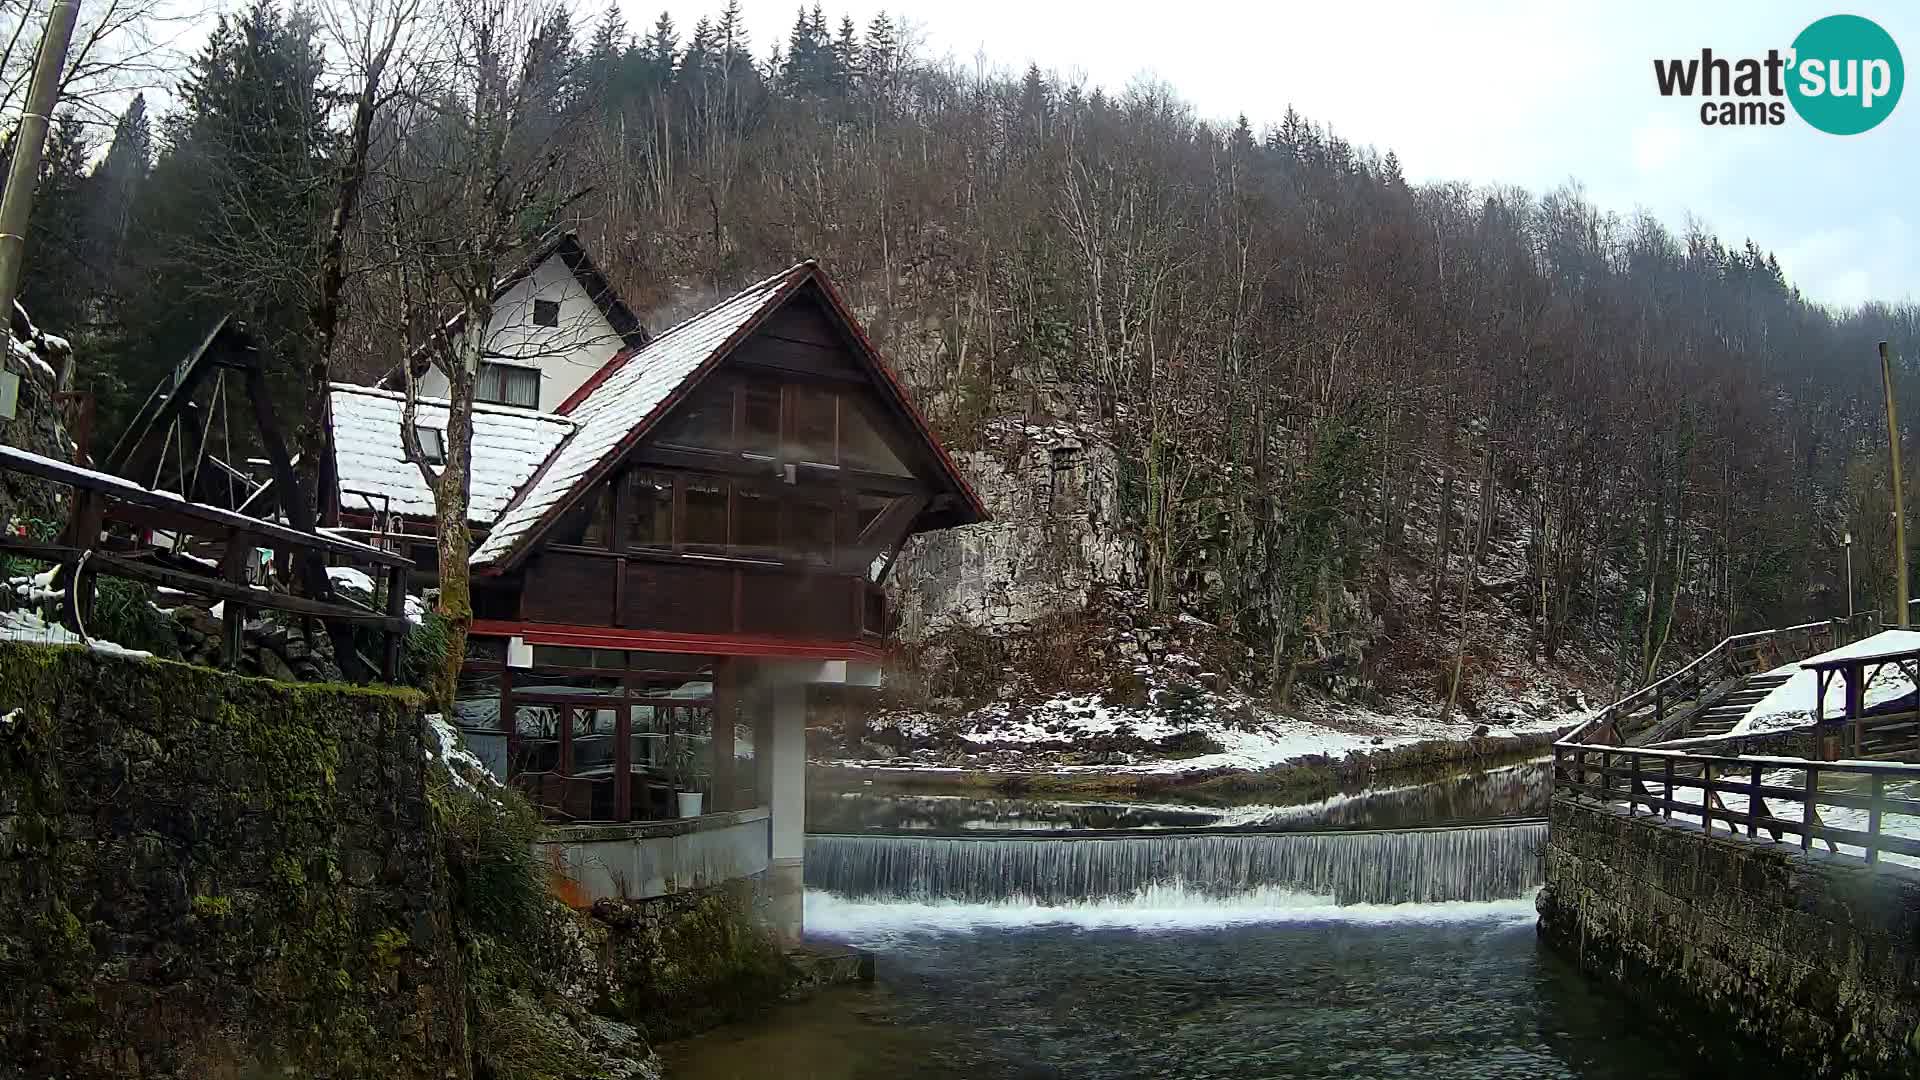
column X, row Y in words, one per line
column 1534, row 94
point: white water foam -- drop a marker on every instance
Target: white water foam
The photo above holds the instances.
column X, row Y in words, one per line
column 833, row 916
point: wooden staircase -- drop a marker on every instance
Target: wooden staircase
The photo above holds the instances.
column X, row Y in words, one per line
column 1724, row 714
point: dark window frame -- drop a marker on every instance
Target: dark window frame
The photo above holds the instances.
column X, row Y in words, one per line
column 546, row 313
column 639, row 686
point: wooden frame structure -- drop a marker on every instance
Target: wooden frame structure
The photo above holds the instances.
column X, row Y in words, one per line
column 83, row 551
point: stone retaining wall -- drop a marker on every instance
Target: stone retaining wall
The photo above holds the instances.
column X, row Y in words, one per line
column 210, row 876
column 1815, row 957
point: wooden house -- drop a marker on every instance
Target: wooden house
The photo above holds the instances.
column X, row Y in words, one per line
column 666, row 555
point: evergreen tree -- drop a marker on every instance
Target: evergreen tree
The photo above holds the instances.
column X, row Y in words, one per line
column 661, row 52
column 228, row 221
column 113, row 185
column 56, row 283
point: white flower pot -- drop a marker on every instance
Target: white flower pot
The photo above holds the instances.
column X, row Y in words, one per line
column 689, row 803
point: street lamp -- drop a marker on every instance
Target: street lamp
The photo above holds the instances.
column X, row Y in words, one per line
column 1847, row 542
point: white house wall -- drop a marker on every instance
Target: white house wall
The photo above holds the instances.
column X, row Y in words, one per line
column 567, row 355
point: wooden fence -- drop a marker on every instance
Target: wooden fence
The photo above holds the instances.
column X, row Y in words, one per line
column 1736, row 655
column 1659, row 782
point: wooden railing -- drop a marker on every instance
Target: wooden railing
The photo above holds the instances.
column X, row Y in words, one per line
column 1747, row 793
column 1738, row 654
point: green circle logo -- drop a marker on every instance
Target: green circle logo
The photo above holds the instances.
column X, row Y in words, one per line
column 1847, row 75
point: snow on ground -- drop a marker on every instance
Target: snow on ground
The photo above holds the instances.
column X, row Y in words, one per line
column 1791, row 703
column 27, row 626
column 1248, row 736
column 351, row 577
column 1838, row 817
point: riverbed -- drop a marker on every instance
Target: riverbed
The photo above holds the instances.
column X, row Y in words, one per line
column 1028, row 939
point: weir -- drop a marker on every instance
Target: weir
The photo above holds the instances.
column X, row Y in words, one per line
column 1466, row 863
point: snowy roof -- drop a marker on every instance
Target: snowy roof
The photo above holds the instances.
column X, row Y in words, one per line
column 508, row 446
column 629, row 397
column 1793, row 701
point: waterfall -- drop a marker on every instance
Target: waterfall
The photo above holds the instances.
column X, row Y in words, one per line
column 1472, row 863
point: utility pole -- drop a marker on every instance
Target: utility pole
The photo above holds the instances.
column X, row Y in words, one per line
column 29, row 140
column 1899, row 519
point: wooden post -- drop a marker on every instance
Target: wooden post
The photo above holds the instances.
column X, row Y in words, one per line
column 1812, row 787
column 726, row 713
column 1753, row 804
column 233, row 567
column 1873, row 822
column 1706, row 797
column 397, row 608
column 1899, row 518
column 1667, row 810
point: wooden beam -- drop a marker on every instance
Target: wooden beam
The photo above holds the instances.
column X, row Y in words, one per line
column 128, row 493
column 154, row 574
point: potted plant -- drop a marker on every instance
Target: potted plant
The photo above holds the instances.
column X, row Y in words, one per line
column 686, row 778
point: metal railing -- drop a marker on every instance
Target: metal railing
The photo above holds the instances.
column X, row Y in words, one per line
column 1842, row 804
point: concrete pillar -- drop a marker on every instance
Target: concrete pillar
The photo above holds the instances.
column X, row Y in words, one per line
column 787, row 804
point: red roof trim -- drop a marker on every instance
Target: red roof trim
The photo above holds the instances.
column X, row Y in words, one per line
column 614, row 363
column 608, row 637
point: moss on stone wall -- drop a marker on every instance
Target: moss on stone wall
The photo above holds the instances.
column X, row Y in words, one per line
column 690, row 961
column 203, row 875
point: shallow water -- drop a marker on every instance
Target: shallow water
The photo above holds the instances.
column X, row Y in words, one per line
column 1123, row 991
column 1512, row 789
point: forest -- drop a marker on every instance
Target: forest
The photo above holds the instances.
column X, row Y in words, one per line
column 1293, row 349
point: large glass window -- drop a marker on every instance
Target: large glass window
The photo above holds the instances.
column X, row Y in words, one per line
column 703, row 422
column 815, row 436
column 760, row 418
column 649, row 509
column 863, row 447
column 600, row 734
column 705, row 525
column 590, row 522
column 756, row 522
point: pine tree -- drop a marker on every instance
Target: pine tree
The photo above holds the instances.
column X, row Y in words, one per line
column 661, row 52
column 601, row 68
column 229, row 219
column 113, row 185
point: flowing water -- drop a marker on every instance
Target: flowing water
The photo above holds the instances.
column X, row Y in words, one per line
column 1193, row 953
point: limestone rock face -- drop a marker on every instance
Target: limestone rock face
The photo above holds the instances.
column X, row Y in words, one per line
column 1057, row 537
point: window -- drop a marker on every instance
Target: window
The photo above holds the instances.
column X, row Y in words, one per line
column 590, row 523
column 649, row 509
column 703, row 422
column 706, row 513
column 863, row 447
column 546, row 313
column 760, row 418
column 756, row 523
column 810, row 531
column 433, row 443
column 505, row 384
column 816, row 415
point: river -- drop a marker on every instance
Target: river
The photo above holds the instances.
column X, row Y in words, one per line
column 1180, row 941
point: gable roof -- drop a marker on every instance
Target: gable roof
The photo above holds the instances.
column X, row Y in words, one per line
column 635, row 388
column 567, row 247
column 374, row 474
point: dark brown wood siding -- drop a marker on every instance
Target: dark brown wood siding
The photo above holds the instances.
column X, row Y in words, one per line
column 685, row 598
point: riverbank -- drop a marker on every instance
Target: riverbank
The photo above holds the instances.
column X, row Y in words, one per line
column 1301, row 777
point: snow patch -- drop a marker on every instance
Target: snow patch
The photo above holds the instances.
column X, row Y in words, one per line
column 29, row 627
